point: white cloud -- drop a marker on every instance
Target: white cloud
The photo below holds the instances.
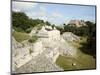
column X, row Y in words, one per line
column 56, row 15
column 43, row 18
column 16, row 10
column 40, row 13
column 23, row 6
column 42, row 8
column 34, row 10
column 36, row 14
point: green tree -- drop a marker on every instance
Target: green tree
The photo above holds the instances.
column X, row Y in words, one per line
column 89, row 47
column 47, row 23
column 20, row 21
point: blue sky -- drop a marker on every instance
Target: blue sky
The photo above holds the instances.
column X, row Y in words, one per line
column 55, row 13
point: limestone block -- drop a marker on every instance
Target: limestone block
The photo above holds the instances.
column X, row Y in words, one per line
column 38, row 47
column 68, row 36
column 22, row 60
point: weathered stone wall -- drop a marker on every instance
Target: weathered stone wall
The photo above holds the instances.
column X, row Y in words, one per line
column 46, row 49
column 21, row 55
column 69, row 36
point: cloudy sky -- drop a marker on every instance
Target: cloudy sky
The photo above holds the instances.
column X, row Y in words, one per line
column 55, row 13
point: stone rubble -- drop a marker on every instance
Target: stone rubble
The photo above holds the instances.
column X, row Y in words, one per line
column 44, row 52
column 69, row 36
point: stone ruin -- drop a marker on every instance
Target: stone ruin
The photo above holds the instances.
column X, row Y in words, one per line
column 48, row 47
column 21, row 54
column 77, row 23
column 69, row 36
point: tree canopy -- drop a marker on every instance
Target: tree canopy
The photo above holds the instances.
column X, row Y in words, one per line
column 21, row 22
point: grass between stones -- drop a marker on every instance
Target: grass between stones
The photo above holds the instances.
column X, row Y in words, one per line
column 33, row 39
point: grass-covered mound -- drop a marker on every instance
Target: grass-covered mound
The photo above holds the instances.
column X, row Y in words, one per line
column 20, row 36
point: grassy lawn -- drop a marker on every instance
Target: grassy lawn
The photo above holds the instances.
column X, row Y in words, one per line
column 82, row 61
column 86, row 60
column 66, row 63
column 77, row 43
column 20, row 36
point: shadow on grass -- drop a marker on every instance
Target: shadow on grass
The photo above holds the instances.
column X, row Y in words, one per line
column 89, row 47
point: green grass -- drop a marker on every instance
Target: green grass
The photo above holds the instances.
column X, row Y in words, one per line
column 65, row 62
column 83, row 61
column 86, row 60
column 20, row 36
column 33, row 39
column 77, row 43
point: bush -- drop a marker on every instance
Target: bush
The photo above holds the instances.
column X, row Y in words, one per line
column 29, row 30
column 89, row 47
column 33, row 39
column 30, row 51
column 60, row 29
column 39, row 27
